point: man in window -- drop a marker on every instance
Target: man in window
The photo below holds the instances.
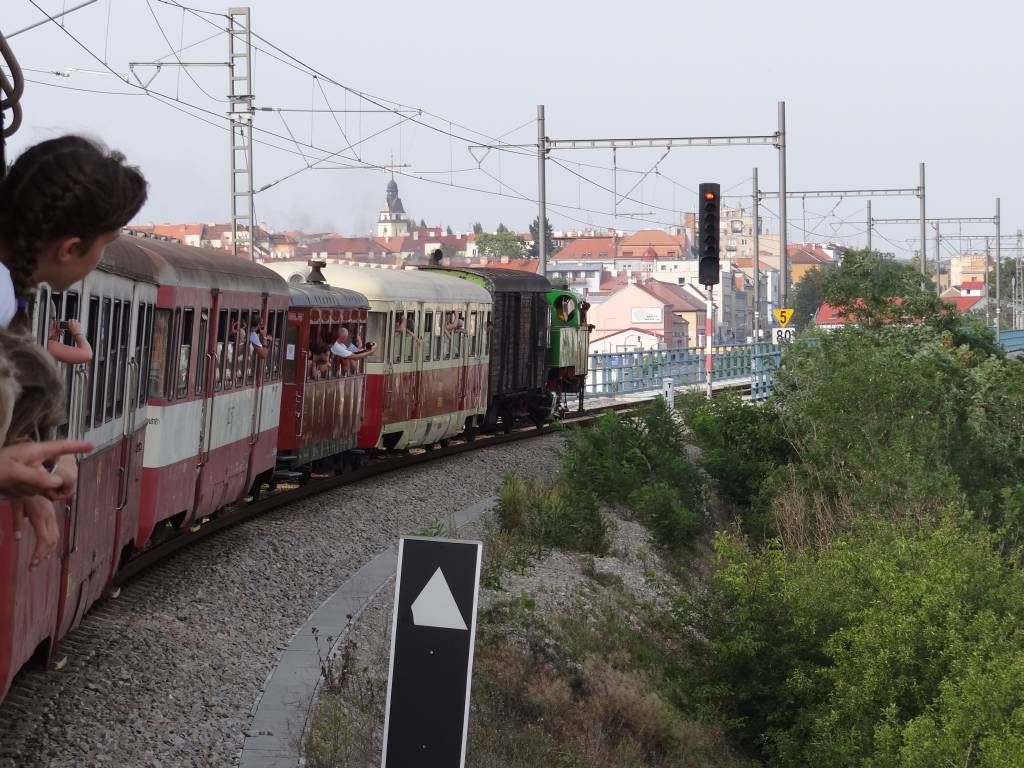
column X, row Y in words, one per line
column 341, row 347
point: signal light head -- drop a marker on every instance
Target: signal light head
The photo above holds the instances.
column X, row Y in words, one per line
column 709, row 195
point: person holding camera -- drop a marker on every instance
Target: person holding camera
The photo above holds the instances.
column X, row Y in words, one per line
column 80, row 351
column 341, row 348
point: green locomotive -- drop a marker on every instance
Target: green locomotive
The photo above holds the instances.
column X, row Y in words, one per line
column 569, row 348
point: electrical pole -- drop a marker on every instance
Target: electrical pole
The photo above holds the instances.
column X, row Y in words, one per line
column 1019, row 274
column 924, row 223
column 938, row 257
column 988, row 266
column 869, row 226
column 755, row 227
column 542, row 212
column 709, row 308
column 240, row 116
column 999, row 268
column 783, row 221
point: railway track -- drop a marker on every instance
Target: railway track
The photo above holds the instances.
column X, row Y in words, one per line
column 157, row 576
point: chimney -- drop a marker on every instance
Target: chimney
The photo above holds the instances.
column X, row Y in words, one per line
column 315, row 275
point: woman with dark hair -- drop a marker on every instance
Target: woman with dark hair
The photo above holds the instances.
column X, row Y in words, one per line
column 61, row 203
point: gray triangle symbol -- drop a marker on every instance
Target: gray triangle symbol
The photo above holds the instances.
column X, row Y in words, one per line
column 435, row 606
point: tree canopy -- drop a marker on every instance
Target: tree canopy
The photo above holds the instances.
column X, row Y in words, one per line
column 500, row 244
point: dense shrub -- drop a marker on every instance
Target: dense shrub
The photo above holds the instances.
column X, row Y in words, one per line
column 887, row 647
column 638, row 460
column 741, row 445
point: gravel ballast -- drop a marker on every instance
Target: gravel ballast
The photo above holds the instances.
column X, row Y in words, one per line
column 176, row 662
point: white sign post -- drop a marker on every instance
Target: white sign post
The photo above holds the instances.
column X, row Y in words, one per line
column 668, row 391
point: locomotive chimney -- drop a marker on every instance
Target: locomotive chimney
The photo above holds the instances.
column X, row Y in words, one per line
column 315, row 275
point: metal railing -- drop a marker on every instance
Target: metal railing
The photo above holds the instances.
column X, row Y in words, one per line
column 1012, row 341
column 617, row 373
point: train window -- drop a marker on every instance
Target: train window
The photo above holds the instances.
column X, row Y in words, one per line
column 92, row 334
column 375, row 332
column 269, row 359
column 488, row 331
column 140, row 325
column 459, row 336
column 185, row 351
column 472, row 334
column 113, row 361
column 122, row 357
column 158, row 356
column 397, row 336
column 218, row 354
column 100, row 356
column 251, row 358
column 428, row 336
column 201, row 353
column 411, row 341
column 229, row 350
column 146, row 360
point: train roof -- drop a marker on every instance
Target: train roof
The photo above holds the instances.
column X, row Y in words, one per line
column 392, row 284
column 502, row 280
column 163, row 262
column 320, row 295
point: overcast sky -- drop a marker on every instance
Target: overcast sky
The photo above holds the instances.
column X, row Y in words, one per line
column 871, row 89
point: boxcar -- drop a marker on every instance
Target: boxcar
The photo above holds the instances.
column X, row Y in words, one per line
column 568, row 353
column 321, row 412
column 213, row 402
column 105, row 403
column 520, row 334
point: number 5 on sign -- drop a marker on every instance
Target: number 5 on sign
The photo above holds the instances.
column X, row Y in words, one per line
column 783, row 316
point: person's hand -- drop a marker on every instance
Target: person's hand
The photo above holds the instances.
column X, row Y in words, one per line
column 21, row 466
column 67, row 471
column 43, row 518
column 74, row 328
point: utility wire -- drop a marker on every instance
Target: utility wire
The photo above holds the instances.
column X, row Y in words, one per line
column 181, row 64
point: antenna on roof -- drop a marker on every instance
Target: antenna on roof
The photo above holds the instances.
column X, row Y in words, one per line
column 315, row 275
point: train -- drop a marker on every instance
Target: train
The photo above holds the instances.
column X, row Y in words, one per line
column 190, row 418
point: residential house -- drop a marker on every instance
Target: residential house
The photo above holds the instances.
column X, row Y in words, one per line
column 633, row 317
column 687, row 303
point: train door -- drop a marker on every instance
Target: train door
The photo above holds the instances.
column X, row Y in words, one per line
column 460, row 352
column 255, row 376
column 413, row 344
column 209, row 486
column 126, row 407
column 393, row 347
column 476, row 329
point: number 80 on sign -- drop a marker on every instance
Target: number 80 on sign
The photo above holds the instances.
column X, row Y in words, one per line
column 783, row 335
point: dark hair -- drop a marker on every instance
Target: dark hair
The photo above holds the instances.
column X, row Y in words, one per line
column 436, row 256
column 318, row 348
column 64, row 187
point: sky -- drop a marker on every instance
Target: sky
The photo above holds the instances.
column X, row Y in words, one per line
column 871, row 89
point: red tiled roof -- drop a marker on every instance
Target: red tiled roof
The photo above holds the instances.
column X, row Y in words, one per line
column 583, row 248
column 653, row 237
column 680, row 299
column 963, row 303
column 973, row 285
column 610, row 282
column 807, row 254
column 748, row 263
column 829, row 315
column 520, row 265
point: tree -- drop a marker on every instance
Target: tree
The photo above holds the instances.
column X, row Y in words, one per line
column 478, row 228
column 549, row 245
column 448, row 231
column 423, row 224
column 500, row 245
column 807, row 296
column 501, row 228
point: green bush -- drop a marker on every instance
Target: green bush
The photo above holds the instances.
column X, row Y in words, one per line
column 888, row 647
column 635, row 458
column 550, row 515
column 661, row 509
column 741, row 445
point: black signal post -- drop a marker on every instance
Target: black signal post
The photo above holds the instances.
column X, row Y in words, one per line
column 710, row 212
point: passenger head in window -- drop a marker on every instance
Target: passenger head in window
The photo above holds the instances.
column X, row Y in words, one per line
column 343, row 348
column 61, row 203
column 436, row 257
column 320, row 360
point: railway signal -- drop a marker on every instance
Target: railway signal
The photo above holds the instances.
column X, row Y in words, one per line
column 710, row 207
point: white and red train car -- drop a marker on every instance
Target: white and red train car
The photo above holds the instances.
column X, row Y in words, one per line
column 427, row 379
column 105, row 404
column 214, row 404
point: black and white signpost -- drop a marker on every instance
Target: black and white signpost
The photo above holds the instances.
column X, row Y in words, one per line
column 432, row 636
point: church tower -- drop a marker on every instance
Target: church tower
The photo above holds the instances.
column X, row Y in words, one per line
column 392, row 220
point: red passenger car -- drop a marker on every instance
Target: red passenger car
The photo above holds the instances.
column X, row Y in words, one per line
column 106, row 405
column 322, row 396
column 214, row 395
